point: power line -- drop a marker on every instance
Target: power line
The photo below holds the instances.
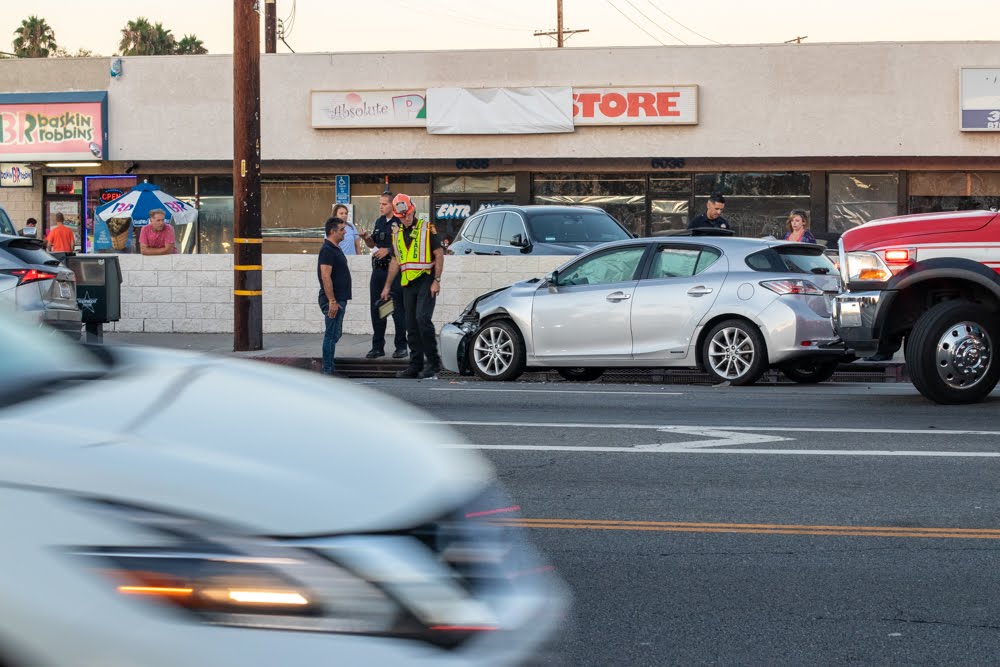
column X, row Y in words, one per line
column 630, row 20
column 643, row 14
column 695, row 32
column 445, row 13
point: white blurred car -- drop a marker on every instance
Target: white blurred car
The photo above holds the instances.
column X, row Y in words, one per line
column 163, row 508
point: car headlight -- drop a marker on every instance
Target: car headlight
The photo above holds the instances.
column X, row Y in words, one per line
column 866, row 266
column 379, row 584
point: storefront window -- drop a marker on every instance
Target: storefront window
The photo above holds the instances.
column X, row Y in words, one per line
column 757, row 204
column 854, row 199
column 475, row 183
column 669, row 202
column 99, row 191
column 215, row 214
column 293, row 214
column 621, row 195
column 183, row 188
column 930, row 192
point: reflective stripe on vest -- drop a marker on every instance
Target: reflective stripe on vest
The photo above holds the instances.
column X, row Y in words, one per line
column 416, row 259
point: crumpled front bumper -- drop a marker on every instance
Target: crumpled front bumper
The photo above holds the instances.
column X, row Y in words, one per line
column 855, row 317
column 453, row 342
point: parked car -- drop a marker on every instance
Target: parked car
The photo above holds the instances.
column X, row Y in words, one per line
column 158, row 511
column 537, row 229
column 6, row 226
column 34, row 281
column 733, row 306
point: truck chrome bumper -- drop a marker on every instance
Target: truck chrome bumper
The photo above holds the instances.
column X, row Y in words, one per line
column 854, row 317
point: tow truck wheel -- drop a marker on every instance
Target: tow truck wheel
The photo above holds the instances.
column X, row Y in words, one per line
column 951, row 353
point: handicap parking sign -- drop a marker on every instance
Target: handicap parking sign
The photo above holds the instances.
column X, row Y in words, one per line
column 343, row 189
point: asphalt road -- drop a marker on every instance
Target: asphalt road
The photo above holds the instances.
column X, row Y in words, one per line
column 779, row 525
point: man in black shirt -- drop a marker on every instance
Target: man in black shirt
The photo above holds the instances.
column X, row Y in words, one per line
column 380, row 240
column 334, row 289
column 713, row 214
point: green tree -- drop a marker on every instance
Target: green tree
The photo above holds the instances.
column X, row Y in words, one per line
column 163, row 42
column 34, row 38
column 60, row 52
column 142, row 38
column 190, row 44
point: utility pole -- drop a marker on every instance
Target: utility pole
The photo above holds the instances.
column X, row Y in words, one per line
column 797, row 40
column 270, row 26
column 248, row 325
column 561, row 35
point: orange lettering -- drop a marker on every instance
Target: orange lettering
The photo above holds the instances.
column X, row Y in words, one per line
column 587, row 102
column 646, row 102
column 666, row 104
column 613, row 105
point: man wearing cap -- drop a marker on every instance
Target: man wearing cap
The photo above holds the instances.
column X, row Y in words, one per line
column 419, row 259
column 380, row 241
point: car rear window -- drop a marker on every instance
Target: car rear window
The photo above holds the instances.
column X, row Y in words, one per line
column 791, row 259
column 575, row 227
column 29, row 252
column 6, row 226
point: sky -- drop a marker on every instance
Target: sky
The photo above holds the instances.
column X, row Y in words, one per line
column 339, row 25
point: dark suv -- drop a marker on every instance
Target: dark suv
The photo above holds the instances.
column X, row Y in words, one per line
column 540, row 230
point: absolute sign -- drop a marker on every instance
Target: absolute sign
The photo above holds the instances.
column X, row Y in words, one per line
column 673, row 105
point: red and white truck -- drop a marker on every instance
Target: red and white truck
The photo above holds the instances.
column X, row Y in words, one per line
column 930, row 282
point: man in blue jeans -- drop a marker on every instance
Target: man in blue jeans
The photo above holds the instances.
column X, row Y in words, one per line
column 334, row 288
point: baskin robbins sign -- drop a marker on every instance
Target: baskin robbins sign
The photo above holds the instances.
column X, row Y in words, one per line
column 369, row 108
column 40, row 127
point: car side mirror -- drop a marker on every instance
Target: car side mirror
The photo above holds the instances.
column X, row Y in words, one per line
column 519, row 241
column 553, row 278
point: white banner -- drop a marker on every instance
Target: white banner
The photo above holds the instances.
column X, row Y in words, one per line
column 368, row 108
column 499, row 110
column 638, row 105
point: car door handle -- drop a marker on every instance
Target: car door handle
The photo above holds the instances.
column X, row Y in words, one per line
column 468, row 250
column 699, row 290
column 615, row 297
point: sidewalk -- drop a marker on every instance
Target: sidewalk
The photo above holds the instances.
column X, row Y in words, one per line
column 305, row 351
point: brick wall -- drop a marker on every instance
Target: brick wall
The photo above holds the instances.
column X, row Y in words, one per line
column 23, row 203
column 194, row 293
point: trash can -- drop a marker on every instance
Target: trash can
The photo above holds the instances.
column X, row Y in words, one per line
column 98, row 291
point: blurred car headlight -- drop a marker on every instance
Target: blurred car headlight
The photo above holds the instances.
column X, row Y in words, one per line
column 792, row 287
column 864, row 266
column 373, row 584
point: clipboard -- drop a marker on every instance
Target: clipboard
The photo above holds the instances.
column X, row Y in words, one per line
column 385, row 308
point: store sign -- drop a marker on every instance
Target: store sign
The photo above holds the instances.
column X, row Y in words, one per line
column 980, row 99
column 16, row 176
column 671, row 105
column 369, row 108
column 109, row 194
column 53, row 126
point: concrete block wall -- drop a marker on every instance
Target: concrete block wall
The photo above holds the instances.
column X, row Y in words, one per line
column 194, row 293
column 23, row 203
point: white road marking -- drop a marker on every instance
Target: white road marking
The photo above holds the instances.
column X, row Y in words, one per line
column 725, row 437
column 560, row 391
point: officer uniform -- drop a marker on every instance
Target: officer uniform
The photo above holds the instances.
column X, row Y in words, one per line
column 382, row 236
column 415, row 248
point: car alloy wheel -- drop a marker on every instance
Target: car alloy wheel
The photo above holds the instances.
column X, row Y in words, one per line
column 734, row 352
column 498, row 351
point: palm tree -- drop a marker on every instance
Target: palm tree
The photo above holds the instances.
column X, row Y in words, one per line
column 137, row 38
column 34, row 38
column 163, row 42
column 190, row 44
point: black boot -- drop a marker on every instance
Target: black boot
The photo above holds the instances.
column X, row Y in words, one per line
column 430, row 370
column 410, row 372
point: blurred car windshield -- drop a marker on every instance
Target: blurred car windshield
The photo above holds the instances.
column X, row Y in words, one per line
column 576, row 227
column 791, row 259
column 30, row 251
column 29, row 352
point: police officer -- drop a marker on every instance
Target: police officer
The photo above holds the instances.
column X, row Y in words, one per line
column 380, row 240
column 419, row 260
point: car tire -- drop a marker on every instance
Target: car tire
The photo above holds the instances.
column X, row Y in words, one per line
column 497, row 351
column 580, row 374
column 810, row 372
column 951, row 353
column 734, row 352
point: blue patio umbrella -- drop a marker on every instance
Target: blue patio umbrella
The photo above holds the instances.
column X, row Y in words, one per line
column 111, row 221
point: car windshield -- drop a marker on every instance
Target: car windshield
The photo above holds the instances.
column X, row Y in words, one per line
column 6, row 226
column 30, row 251
column 575, row 227
column 31, row 355
column 791, row 259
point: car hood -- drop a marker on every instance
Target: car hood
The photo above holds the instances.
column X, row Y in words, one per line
column 277, row 451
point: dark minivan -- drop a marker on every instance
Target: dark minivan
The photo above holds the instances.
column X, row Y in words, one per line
column 536, row 229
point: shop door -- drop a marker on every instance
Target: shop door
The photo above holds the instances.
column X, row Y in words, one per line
column 72, row 209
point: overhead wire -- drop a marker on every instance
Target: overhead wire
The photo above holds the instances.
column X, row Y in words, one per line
column 695, row 32
column 633, row 22
column 645, row 16
column 450, row 15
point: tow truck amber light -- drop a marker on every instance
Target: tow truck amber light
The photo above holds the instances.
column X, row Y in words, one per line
column 872, row 274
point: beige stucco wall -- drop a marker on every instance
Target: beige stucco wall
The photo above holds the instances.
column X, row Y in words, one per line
column 755, row 101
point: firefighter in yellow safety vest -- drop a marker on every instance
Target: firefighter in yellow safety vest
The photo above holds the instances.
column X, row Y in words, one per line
column 418, row 256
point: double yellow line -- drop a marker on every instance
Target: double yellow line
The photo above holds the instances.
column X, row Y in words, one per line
column 756, row 528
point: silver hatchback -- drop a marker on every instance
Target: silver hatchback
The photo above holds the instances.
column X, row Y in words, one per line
column 733, row 306
column 33, row 281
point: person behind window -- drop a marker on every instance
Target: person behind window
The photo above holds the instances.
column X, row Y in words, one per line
column 712, row 217
column 798, row 227
column 30, row 228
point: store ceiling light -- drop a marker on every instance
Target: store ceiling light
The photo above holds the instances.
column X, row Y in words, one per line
column 72, row 164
